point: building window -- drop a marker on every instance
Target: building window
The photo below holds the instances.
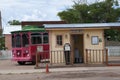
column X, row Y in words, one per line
column 95, row 40
column 59, row 40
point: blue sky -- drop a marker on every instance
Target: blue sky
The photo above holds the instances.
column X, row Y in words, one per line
column 32, row 10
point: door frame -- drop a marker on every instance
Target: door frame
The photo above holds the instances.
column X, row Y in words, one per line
column 72, row 47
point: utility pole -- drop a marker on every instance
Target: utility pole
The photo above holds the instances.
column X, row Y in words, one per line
column 0, row 32
column 0, row 24
column 2, row 42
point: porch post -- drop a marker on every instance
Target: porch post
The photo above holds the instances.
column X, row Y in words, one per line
column 106, row 51
column 37, row 59
column 36, row 65
column 71, row 55
column 86, row 56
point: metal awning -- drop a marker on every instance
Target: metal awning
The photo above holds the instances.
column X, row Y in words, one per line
column 83, row 25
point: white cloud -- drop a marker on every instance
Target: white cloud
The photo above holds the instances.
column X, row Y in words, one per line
column 32, row 9
column 36, row 15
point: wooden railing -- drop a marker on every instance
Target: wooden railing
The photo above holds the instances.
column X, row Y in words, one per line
column 57, row 57
column 54, row 57
column 96, row 56
column 92, row 56
column 113, row 56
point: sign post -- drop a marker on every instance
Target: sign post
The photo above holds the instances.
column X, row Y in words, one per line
column 38, row 50
column 67, row 49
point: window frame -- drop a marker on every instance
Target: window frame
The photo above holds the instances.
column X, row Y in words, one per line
column 18, row 42
column 25, row 39
column 35, row 40
column 44, row 36
column 41, row 35
column 95, row 40
column 59, row 40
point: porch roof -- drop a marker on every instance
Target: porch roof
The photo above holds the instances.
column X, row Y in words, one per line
column 83, row 25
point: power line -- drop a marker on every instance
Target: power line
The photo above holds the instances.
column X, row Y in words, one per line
column 0, row 21
column 3, row 20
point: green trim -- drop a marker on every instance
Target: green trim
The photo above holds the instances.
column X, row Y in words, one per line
column 30, row 28
column 28, row 31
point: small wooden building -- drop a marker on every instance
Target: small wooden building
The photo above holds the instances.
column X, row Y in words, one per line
column 86, row 41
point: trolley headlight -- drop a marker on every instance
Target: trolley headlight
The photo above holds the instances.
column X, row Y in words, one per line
column 26, row 51
column 13, row 55
column 18, row 53
column 28, row 55
column 13, row 52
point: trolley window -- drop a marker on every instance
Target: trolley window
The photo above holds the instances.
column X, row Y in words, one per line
column 36, row 38
column 13, row 41
column 45, row 38
column 25, row 40
column 18, row 40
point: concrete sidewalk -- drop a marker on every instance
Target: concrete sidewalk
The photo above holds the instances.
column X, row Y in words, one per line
column 27, row 71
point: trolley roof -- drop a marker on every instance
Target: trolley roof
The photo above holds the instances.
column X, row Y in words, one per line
column 29, row 28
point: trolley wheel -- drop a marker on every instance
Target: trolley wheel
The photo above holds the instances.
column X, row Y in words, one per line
column 21, row 62
column 33, row 62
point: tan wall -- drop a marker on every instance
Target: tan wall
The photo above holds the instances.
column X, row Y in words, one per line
column 88, row 43
column 52, row 39
column 53, row 47
column 87, row 34
column 8, row 42
column 88, row 37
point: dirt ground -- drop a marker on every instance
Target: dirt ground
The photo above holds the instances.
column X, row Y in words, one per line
column 9, row 64
column 69, row 75
column 89, row 75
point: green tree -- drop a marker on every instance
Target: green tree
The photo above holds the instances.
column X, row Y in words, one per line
column 2, row 43
column 93, row 13
column 77, row 14
column 100, row 12
column 14, row 22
